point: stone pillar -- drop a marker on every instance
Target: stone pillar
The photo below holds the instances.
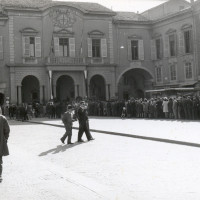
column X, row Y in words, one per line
column 41, row 94
column 13, row 88
column 54, row 91
column 19, row 94
column 75, row 90
column 106, row 92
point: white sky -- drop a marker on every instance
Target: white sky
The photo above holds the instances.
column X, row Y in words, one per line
column 125, row 5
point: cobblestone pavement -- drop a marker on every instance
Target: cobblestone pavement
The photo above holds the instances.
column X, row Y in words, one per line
column 110, row 167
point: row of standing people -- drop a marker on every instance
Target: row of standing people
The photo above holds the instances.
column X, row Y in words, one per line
column 173, row 108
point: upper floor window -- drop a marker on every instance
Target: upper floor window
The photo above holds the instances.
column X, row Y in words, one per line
column 97, row 45
column 172, row 45
column 158, row 74
column 1, row 48
column 134, row 49
column 63, row 47
column 96, row 48
column 31, row 46
column 188, row 41
column 188, row 70
column 173, row 75
column 158, row 48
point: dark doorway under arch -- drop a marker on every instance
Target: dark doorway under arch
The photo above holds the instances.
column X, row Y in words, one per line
column 30, row 89
column 133, row 83
column 65, row 90
column 98, row 88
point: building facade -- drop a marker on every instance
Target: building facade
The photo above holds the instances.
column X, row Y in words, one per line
column 64, row 50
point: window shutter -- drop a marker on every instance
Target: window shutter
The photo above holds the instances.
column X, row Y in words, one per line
column 141, row 49
column 89, row 47
column 129, row 51
column 166, row 46
column 72, row 47
column 181, row 43
column 153, row 49
column 191, row 41
column 56, row 46
column 38, row 47
column 104, row 48
column 26, row 46
column 1, row 47
column 161, row 47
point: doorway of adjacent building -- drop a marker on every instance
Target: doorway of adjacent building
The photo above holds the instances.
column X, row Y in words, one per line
column 98, row 88
column 65, row 90
column 2, row 98
column 30, row 89
column 133, row 84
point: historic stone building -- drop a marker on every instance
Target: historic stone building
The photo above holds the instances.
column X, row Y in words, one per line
column 63, row 50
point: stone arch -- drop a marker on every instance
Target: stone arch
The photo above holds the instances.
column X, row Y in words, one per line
column 130, row 68
column 97, row 87
column 133, row 82
column 65, row 88
column 30, row 91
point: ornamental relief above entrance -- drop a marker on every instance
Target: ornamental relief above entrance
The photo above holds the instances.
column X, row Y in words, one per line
column 63, row 18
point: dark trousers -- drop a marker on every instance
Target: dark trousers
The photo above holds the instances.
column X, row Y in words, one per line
column 1, row 165
column 84, row 127
column 68, row 134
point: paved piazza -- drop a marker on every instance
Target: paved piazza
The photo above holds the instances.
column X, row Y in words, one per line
column 110, row 167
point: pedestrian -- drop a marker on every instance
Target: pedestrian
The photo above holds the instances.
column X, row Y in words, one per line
column 123, row 115
column 165, row 107
column 67, row 119
column 83, row 122
column 4, row 134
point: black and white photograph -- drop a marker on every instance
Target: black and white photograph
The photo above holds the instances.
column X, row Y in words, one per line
column 99, row 99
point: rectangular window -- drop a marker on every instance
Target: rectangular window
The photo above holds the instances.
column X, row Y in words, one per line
column 96, row 48
column 188, row 70
column 32, row 46
column 134, row 49
column 173, row 72
column 158, row 74
column 172, row 45
column 158, row 48
column 188, row 41
column 63, row 47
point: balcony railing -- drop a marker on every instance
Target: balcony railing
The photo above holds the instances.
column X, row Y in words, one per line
column 65, row 60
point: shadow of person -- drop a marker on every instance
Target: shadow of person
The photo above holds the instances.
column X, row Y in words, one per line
column 60, row 148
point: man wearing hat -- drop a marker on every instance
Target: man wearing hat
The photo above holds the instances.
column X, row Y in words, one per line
column 67, row 121
column 83, row 122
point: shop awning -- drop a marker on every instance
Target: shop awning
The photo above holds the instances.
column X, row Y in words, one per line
column 170, row 89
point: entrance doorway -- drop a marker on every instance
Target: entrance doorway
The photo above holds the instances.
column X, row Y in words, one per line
column 98, row 88
column 65, row 90
column 30, row 89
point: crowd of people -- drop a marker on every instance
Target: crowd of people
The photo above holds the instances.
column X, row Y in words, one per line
column 185, row 107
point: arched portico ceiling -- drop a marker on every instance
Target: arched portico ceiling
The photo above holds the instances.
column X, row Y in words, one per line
column 141, row 70
column 98, row 74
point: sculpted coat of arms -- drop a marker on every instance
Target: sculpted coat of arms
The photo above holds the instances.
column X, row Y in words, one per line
column 63, row 18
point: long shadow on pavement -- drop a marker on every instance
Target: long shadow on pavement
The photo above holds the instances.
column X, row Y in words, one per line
column 60, row 148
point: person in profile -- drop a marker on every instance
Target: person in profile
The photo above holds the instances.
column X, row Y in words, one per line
column 68, row 120
column 83, row 122
column 4, row 135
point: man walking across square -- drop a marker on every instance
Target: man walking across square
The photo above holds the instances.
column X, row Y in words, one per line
column 67, row 120
column 4, row 134
column 83, row 122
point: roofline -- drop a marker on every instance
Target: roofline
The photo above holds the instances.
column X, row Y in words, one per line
column 161, row 5
column 188, row 10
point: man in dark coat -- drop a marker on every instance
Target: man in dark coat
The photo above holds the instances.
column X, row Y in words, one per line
column 67, row 121
column 4, row 134
column 83, row 122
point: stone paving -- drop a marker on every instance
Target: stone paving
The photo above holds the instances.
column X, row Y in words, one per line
column 110, row 167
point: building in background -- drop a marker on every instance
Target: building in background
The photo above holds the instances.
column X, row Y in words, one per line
column 64, row 50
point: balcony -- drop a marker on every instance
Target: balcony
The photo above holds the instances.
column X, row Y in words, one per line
column 52, row 60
